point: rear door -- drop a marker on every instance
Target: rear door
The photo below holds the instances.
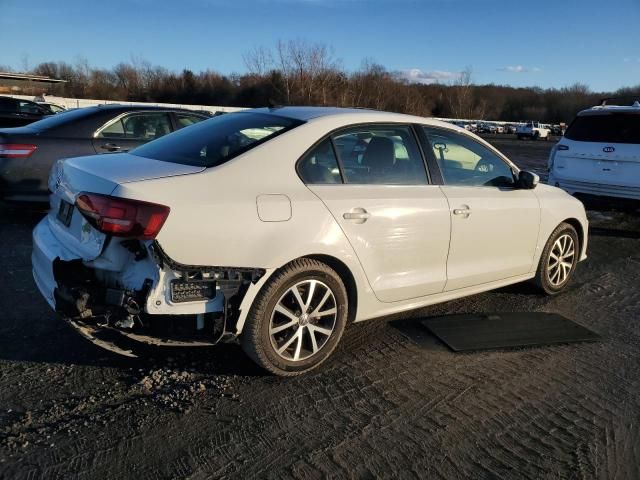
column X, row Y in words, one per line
column 130, row 130
column 373, row 180
column 603, row 148
column 494, row 225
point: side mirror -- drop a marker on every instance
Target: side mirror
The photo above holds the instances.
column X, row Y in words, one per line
column 528, row 180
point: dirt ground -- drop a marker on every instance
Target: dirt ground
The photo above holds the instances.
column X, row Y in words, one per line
column 392, row 402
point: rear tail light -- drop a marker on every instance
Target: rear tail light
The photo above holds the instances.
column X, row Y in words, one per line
column 122, row 217
column 16, row 150
column 552, row 156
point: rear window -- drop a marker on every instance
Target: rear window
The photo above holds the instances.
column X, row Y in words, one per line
column 217, row 140
column 606, row 128
column 63, row 118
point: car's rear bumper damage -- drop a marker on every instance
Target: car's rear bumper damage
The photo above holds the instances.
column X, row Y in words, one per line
column 134, row 290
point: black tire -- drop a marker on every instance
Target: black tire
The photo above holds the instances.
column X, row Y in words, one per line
column 535, row 136
column 543, row 273
column 256, row 339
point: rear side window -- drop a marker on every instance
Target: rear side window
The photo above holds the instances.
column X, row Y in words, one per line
column 606, row 128
column 8, row 105
column 30, row 107
column 320, row 165
column 380, row 155
column 217, row 140
column 185, row 119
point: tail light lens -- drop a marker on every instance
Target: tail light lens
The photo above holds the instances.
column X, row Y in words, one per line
column 16, row 150
column 552, row 157
column 122, row 217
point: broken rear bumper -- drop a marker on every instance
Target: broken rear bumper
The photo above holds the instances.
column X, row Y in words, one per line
column 46, row 249
column 123, row 342
column 134, row 290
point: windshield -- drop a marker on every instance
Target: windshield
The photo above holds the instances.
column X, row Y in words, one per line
column 607, row 128
column 217, row 140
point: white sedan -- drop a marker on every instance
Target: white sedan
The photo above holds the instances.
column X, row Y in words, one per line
column 279, row 227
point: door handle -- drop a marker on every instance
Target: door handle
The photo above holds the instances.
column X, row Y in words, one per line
column 464, row 211
column 358, row 215
column 112, row 147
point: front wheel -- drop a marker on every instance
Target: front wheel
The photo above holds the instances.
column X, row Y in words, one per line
column 297, row 319
column 559, row 259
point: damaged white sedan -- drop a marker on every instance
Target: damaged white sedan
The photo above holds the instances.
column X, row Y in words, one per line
column 278, row 227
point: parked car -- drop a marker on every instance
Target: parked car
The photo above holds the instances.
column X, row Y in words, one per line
column 600, row 153
column 52, row 107
column 487, row 128
column 510, row 128
column 16, row 113
column 278, row 227
column 533, row 131
column 27, row 153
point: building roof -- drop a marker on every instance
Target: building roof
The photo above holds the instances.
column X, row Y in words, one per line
column 29, row 77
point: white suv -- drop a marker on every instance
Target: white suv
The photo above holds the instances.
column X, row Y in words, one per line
column 600, row 153
column 533, row 130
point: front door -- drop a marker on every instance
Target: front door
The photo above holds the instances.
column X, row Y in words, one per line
column 494, row 225
column 128, row 131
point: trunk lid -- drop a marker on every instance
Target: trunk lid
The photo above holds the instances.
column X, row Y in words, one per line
column 96, row 174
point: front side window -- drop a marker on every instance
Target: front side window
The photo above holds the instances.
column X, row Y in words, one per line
column 217, row 140
column 380, row 155
column 463, row 161
column 320, row 165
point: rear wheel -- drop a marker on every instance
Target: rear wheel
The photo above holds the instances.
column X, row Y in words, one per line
column 297, row 319
column 559, row 259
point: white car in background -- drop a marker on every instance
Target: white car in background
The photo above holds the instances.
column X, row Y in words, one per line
column 278, row 227
column 600, row 153
column 533, row 130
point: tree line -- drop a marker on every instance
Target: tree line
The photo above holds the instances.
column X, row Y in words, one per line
column 300, row 73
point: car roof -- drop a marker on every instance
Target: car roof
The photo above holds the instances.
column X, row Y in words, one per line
column 352, row 115
column 124, row 108
column 604, row 109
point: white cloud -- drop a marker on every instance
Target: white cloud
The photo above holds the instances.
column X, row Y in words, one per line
column 415, row 75
column 518, row 69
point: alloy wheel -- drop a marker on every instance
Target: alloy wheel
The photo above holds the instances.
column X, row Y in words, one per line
column 561, row 260
column 303, row 320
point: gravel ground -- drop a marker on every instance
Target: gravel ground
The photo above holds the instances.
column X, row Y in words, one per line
column 392, row 401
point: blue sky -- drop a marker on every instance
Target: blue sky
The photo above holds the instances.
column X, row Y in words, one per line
column 547, row 43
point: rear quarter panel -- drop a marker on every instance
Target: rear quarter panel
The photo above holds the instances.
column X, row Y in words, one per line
column 214, row 217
